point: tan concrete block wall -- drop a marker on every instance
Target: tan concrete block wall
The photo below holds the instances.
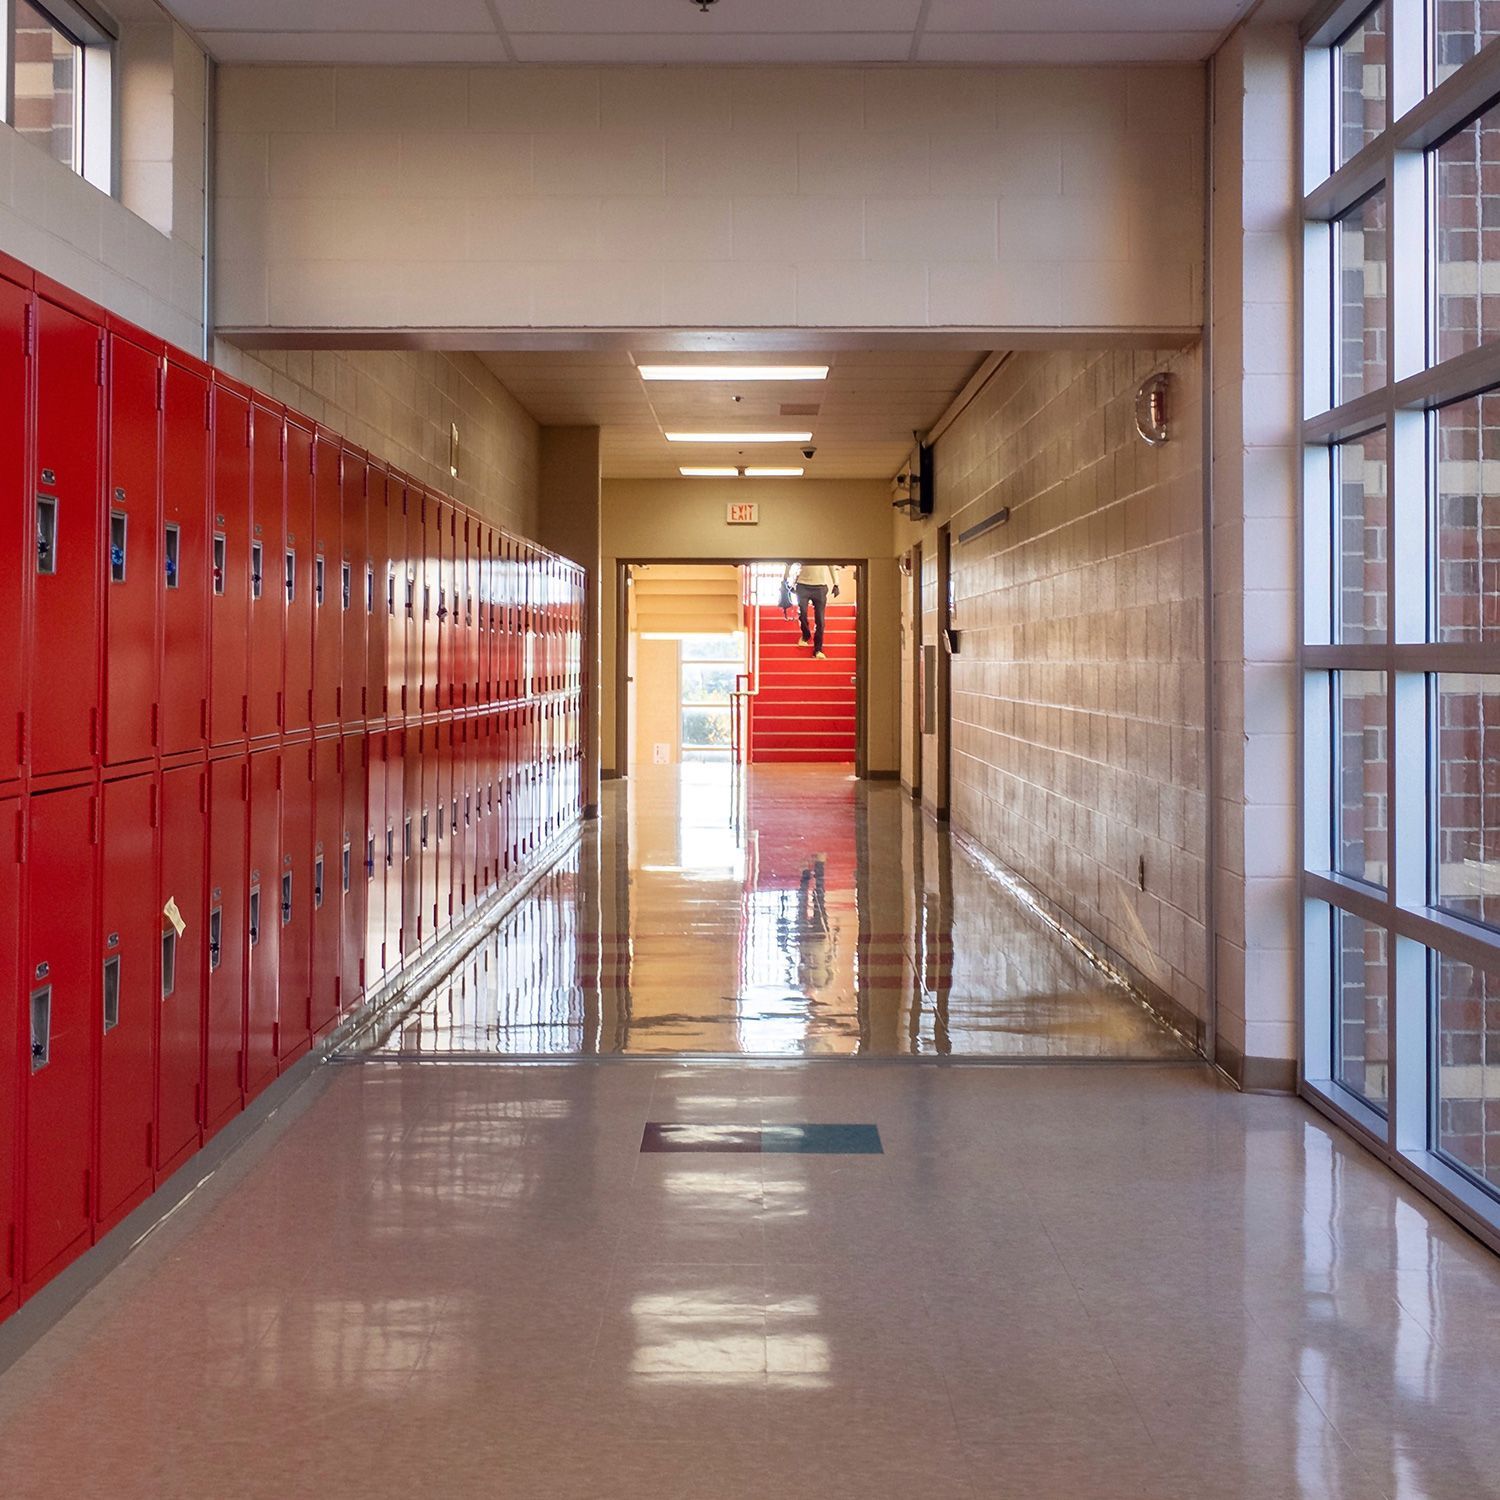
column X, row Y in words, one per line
column 399, row 405
column 638, row 197
column 1078, row 713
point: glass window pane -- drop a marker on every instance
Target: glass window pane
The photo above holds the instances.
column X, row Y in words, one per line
column 1466, row 220
column 1459, row 29
column 1467, row 521
column 706, row 729
column 1360, row 553
column 711, row 648
column 1468, row 1067
column 1360, row 80
column 707, row 684
column 1362, row 731
column 48, row 76
column 1362, row 249
column 1361, row 984
column 1468, row 795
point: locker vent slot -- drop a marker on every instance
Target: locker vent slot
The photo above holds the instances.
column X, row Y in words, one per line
column 344, row 868
column 390, row 847
column 318, row 581
column 390, row 591
column 291, row 576
column 255, row 917
column 111, row 994
column 369, row 588
column 41, row 1028
column 215, row 938
column 370, row 857
column 46, row 534
column 171, row 553
column 219, row 563
column 286, row 899
column 424, row 828
column 257, row 560
column 168, row 963
column 118, row 524
column 406, row 847
column 346, row 585
column 317, row 883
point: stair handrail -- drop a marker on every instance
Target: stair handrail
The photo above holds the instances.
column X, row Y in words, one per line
column 750, row 614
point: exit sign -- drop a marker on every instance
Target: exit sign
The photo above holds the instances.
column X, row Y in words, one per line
column 745, row 513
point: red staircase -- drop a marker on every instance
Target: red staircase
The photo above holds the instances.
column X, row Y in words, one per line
column 805, row 709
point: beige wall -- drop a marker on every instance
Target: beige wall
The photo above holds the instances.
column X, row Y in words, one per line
column 658, row 716
column 505, row 197
column 684, row 520
column 1078, row 729
column 140, row 253
column 399, row 406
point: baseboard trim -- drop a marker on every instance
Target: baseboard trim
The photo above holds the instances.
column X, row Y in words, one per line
column 1255, row 1075
column 882, row 776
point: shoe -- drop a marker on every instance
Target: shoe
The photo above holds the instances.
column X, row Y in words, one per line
column 820, row 656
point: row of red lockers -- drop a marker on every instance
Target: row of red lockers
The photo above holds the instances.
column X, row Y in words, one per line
column 205, row 568
column 163, row 754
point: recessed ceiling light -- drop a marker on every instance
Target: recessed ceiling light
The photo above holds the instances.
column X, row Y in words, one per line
column 709, row 473
column 734, row 372
column 739, row 437
column 775, row 473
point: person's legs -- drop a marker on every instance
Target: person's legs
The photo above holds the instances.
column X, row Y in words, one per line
column 804, row 609
column 820, row 614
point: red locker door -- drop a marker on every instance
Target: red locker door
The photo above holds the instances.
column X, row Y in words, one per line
column 129, row 952
column 361, row 586
column 357, row 868
column 230, row 584
column 58, row 999
column 180, row 1048
column 413, row 928
column 332, row 858
column 10, row 1062
column 375, row 869
column 133, row 557
column 395, row 850
column 263, row 921
column 474, row 625
column 469, row 816
column 406, row 642
column 513, row 644
column 67, row 521
column 186, row 561
column 431, row 827
column 299, row 582
column 15, row 542
column 335, row 589
column 296, row 890
column 267, row 570
column 429, row 694
column 228, row 832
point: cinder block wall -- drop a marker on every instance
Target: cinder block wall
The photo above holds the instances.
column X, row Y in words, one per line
column 1078, row 702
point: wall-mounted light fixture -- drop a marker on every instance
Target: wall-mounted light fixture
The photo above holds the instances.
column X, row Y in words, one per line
column 1151, row 409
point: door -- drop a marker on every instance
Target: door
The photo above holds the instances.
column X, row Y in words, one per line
column 296, row 891
column 128, row 954
column 133, row 566
column 228, row 922
column 358, row 868
column 334, row 586
column 263, row 921
column 298, row 580
column 184, row 955
column 15, row 515
column 362, row 639
column 186, row 563
column 64, row 727
column 413, row 854
column 430, row 519
column 10, row 1062
column 331, row 856
column 267, row 570
column 58, row 992
column 231, row 586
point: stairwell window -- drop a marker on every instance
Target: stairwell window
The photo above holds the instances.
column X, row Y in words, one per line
column 709, row 666
column 58, row 84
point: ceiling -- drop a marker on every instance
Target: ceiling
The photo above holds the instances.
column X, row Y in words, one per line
column 868, row 408
column 732, row 31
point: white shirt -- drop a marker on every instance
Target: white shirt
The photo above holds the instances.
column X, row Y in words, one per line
column 813, row 574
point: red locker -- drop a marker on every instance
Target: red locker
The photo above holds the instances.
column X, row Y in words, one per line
column 433, row 806
column 395, row 849
column 231, row 587
column 267, row 569
column 406, row 641
column 483, row 623
column 129, row 952
column 186, row 560
column 378, row 944
column 15, row 539
column 263, row 921
column 10, row 1062
column 362, row 532
column 469, row 816
column 512, row 645
column 183, row 956
column 67, row 525
column 473, row 623
column 228, row 920
column 359, row 868
column 58, row 994
column 133, row 562
column 429, row 686
column 332, row 859
column 296, row 891
column 413, row 927
column 300, row 585
column 335, row 588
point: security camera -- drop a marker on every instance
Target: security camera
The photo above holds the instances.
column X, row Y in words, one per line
column 808, row 452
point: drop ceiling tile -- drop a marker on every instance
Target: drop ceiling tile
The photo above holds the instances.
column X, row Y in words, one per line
column 334, row 15
column 727, row 17
column 843, row 47
column 353, row 48
column 1067, row 48
column 1082, row 16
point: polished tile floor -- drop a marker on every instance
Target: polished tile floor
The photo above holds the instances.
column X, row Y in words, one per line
column 794, row 912
column 1071, row 1282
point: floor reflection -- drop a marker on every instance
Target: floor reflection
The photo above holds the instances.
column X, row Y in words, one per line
column 780, row 911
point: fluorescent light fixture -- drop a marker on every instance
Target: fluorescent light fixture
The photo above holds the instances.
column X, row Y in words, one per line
column 709, row 473
column 739, row 437
column 734, row 373
column 774, row 473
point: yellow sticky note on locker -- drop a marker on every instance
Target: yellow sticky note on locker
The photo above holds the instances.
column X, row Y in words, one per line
column 170, row 912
